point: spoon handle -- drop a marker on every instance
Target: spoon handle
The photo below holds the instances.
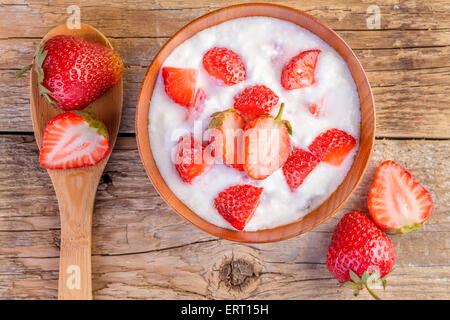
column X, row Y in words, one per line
column 76, row 193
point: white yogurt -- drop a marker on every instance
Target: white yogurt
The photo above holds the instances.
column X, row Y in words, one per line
column 265, row 46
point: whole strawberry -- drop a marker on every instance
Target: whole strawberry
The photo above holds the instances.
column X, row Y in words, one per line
column 75, row 72
column 360, row 253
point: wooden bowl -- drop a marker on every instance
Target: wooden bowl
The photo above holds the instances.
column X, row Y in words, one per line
column 367, row 126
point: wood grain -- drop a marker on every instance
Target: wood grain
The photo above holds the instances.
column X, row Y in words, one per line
column 410, row 53
column 142, row 249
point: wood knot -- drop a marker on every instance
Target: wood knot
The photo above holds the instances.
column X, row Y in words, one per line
column 236, row 274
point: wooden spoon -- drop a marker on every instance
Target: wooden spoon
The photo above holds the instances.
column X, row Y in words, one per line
column 76, row 188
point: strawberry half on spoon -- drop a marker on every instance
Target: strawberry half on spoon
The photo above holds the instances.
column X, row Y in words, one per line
column 397, row 201
column 74, row 72
column 74, row 140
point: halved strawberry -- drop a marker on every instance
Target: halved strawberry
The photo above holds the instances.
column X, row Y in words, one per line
column 332, row 146
column 396, row 200
column 224, row 64
column 298, row 166
column 180, row 85
column 299, row 72
column 254, row 101
column 227, row 135
column 267, row 145
column 238, row 203
column 73, row 140
column 189, row 160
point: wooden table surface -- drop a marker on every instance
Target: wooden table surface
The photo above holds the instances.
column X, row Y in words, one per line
column 144, row 250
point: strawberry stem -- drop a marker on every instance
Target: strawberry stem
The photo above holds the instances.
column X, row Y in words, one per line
column 372, row 293
column 278, row 117
column 23, row 70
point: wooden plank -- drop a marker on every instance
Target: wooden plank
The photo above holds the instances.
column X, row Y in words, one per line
column 153, row 19
column 142, row 249
column 139, row 52
column 411, row 86
column 411, row 103
column 411, row 43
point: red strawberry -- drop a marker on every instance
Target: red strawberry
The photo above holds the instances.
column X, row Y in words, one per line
column 73, row 140
column 238, row 203
column 298, row 166
column 189, row 160
column 224, row 64
column 75, row 72
column 228, row 137
column 359, row 253
column 299, row 72
column 254, row 101
column 180, row 85
column 332, row 146
column 267, row 145
column 397, row 201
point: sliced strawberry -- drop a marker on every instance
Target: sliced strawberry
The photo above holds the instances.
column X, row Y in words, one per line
column 238, row 203
column 332, row 146
column 299, row 72
column 180, row 85
column 189, row 160
column 316, row 109
column 73, row 140
column 267, row 145
column 254, row 101
column 396, row 200
column 227, row 134
column 224, row 64
column 197, row 107
column 298, row 166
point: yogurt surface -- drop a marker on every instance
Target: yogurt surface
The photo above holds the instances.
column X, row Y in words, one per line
column 265, row 45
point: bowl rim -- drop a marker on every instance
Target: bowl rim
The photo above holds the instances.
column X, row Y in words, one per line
column 282, row 232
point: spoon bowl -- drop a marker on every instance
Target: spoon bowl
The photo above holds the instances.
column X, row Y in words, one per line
column 76, row 188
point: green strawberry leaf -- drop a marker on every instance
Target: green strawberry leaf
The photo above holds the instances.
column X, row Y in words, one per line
column 410, row 228
column 354, row 276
